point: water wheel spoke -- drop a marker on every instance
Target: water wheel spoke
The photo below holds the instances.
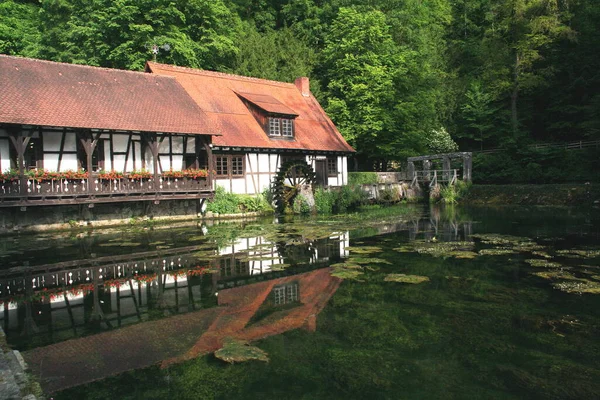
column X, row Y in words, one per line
column 291, row 177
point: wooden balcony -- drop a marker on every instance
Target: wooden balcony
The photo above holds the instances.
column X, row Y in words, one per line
column 15, row 192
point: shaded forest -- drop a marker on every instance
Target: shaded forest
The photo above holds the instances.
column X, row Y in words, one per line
column 398, row 77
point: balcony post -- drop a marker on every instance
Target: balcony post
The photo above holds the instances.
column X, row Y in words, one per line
column 154, row 145
column 208, row 148
column 89, row 142
column 20, row 141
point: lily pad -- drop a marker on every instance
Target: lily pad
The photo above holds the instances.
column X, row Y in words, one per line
column 536, row 262
column 579, row 286
column 540, row 253
column 579, row 253
column 554, row 274
column 235, row 350
column 371, row 260
column 496, row 252
column 442, row 249
column 403, row 278
column 497, row 239
column 347, row 271
column 463, row 254
column 364, row 249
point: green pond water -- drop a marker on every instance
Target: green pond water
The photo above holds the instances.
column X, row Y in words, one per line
column 405, row 302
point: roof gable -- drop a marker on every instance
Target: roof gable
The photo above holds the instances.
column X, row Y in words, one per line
column 45, row 93
column 222, row 97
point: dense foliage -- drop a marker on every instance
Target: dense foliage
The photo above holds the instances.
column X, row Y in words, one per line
column 398, row 78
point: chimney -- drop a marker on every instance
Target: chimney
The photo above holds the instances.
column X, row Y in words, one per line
column 303, row 85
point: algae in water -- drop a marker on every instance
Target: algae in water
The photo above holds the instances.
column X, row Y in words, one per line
column 403, row 278
column 235, row 350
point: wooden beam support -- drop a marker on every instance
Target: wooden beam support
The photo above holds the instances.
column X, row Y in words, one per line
column 209, row 153
column 20, row 142
column 153, row 144
column 89, row 141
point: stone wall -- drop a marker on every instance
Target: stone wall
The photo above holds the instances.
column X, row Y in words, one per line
column 41, row 218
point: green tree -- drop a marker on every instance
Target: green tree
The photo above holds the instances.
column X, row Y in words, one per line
column 478, row 111
column 119, row 34
column 517, row 34
column 19, row 31
column 273, row 54
column 359, row 63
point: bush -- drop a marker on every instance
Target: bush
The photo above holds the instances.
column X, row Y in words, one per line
column 528, row 165
column 300, row 205
column 362, row 178
column 392, row 195
column 349, row 197
column 223, row 202
column 231, row 203
column 339, row 200
column 324, row 200
column 451, row 194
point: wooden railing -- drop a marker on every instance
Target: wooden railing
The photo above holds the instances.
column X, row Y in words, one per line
column 97, row 188
column 435, row 177
column 582, row 144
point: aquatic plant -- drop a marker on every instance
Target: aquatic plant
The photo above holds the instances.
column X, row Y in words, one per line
column 236, row 351
column 403, row 278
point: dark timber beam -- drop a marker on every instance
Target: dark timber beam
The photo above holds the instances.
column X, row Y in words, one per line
column 153, row 144
column 206, row 143
column 89, row 142
column 20, row 140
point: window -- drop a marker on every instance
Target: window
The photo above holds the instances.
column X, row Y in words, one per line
column 237, row 165
column 332, row 166
column 33, row 154
column 286, row 294
column 221, row 166
column 281, row 127
column 287, row 127
column 231, row 166
column 275, row 126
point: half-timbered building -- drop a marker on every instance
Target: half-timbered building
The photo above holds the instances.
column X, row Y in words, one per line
column 262, row 124
column 77, row 134
column 73, row 134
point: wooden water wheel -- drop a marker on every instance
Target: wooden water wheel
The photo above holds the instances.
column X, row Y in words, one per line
column 292, row 175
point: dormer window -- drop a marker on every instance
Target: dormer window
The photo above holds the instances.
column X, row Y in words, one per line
column 275, row 118
column 281, row 127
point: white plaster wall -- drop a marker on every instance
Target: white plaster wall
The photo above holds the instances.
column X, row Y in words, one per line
column 68, row 162
column 165, row 162
column 177, row 163
column 344, row 170
column 4, row 155
column 136, row 163
column 238, row 185
column 119, row 160
column 148, row 160
column 107, row 160
column 177, row 147
column 51, row 162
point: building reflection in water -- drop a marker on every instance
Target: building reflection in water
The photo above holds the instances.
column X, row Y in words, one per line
column 139, row 309
column 62, row 300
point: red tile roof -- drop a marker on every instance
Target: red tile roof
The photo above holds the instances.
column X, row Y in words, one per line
column 218, row 95
column 36, row 92
column 268, row 103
